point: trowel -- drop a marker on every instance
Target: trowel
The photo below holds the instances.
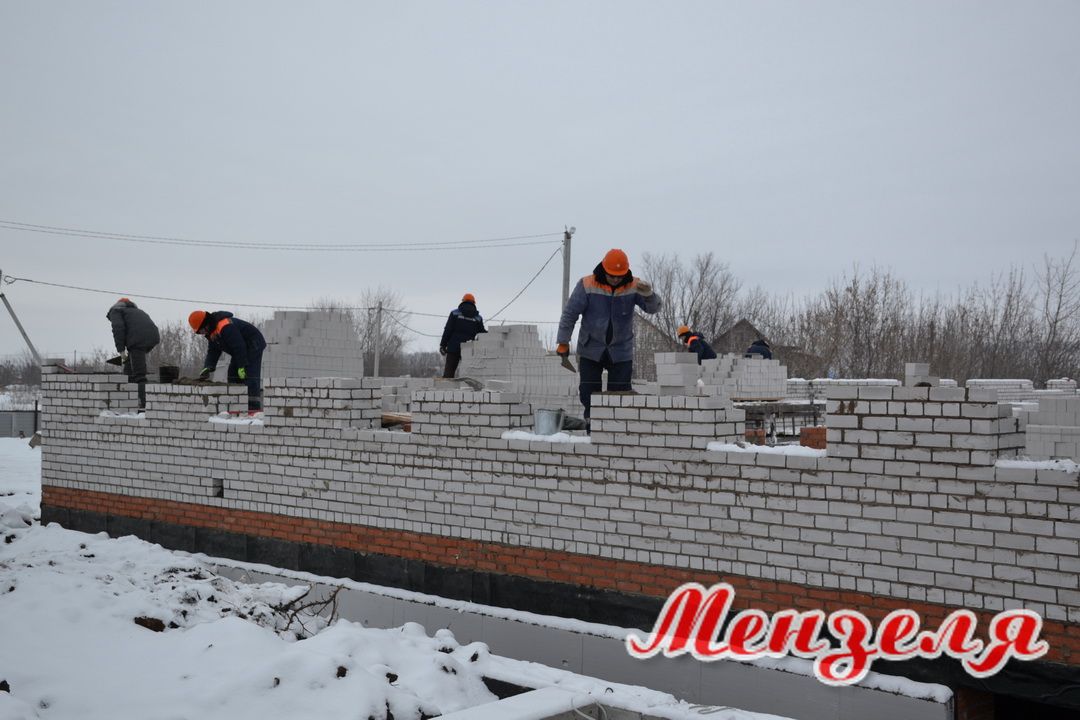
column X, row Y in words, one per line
column 567, row 364
column 118, row 360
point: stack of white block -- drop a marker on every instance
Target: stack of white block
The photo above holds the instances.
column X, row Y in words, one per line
column 1008, row 390
column 513, row 354
column 1053, row 431
column 727, row 376
column 1065, row 385
column 312, row 343
column 801, row 389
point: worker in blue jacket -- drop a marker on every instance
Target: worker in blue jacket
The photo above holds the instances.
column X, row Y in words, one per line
column 241, row 340
column 695, row 343
column 463, row 325
column 605, row 302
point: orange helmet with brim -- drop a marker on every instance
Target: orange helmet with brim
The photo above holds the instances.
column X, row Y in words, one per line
column 196, row 319
column 616, row 263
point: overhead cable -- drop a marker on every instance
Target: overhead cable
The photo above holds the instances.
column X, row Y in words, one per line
column 479, row 243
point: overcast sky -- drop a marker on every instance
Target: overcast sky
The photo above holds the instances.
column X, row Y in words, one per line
column 792, row 139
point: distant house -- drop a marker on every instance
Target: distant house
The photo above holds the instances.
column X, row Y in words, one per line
column 742, row 335
column 737, row 338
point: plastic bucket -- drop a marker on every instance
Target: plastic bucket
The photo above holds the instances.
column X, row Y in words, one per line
column 547, row 422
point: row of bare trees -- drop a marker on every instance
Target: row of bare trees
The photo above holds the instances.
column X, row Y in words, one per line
column 868, row 323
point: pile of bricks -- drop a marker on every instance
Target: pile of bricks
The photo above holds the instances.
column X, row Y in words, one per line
column 1053, row 431
column 1007, row 390
column 1065, row 385
column 514, row 354
column 311, row 343
column 727, row 376
column 801, row 389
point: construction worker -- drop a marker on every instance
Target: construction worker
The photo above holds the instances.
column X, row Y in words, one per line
column 605, row 302
column 695, row 343
column 463, row 325
column 760, row 347
column 135, row 335
column 241, row 340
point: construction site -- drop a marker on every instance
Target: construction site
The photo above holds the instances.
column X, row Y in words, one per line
column 865, row 494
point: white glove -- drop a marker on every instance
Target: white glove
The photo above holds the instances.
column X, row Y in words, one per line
column 644, row 288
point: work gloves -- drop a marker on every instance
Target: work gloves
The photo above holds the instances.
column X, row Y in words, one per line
column 563, row 350
column 242, row 373
column 204, row 374
column 442, row 349
column 644, row 288
column 123, row 357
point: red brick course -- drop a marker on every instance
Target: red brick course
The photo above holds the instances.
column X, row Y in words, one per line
column 550, row 565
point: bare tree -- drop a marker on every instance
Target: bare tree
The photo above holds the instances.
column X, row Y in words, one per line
column 702, row 294
column 1059, row 287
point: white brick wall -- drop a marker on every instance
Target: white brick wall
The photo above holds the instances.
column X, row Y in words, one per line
column 953, row 528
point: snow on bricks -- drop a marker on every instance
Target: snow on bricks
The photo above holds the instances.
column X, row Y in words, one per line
column 909, row 505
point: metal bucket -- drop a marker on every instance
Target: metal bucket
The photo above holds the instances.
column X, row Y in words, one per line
column 547, row 422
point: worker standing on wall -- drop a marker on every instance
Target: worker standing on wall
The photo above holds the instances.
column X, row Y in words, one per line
column 135, row 335
column 241, row 340
column 463, row 325
column 760, row 347
column 605, row 302
column 695, row 343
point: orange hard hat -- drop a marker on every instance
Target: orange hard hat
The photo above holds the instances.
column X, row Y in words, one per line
column 124, row 300
column 683, row 330
column 196, row 319
column 468, row 297
column 615, row 262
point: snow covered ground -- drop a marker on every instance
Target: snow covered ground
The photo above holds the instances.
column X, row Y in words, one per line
column 98, row 628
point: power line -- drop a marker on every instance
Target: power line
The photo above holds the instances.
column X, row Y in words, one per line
column 480, row 243
column 557, row 251
column 412, row 330
column 9, row 279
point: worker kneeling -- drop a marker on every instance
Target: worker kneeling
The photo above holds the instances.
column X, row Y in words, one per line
column 241, row 340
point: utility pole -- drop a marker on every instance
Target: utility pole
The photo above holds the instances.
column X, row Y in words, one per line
column 11, row 311
column 567, row 234
column 378, row 337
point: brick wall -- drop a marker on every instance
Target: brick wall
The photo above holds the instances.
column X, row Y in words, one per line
column 641, row 508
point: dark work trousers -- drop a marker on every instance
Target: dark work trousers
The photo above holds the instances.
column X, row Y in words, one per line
column 135, row 367
column 452, row 360
column 618, row 377
column 254, row 378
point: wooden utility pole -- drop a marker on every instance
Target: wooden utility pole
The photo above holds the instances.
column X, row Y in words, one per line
column 567, row 234
column 378, row 338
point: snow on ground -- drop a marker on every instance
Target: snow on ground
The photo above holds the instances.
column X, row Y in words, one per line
column 765, row 449
column 72, row 647
column 20, row 475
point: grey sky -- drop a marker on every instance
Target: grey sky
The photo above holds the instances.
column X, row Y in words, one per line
column 791, row 138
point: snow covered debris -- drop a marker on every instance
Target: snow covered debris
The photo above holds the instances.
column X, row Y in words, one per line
column 99, row 628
